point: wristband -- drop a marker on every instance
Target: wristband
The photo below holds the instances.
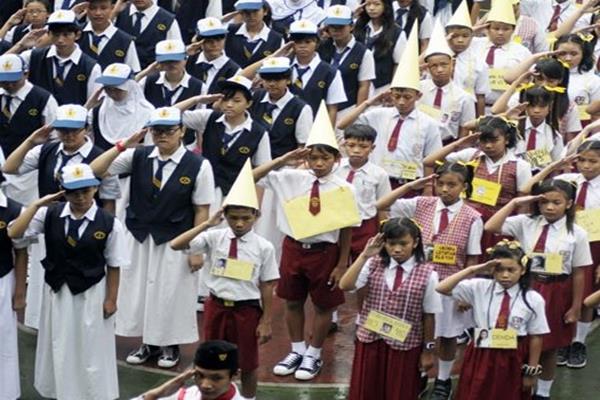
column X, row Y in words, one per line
column 119, row 146
column 529, row 370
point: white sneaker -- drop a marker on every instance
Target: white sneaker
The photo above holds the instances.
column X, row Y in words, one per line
column 309, row 368
column 169, row 357
column 288, row 365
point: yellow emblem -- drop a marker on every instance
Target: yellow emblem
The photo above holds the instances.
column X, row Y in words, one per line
column 71, row 113
column 354, row 66
column 210, row 23
column 77, row 172
column 244, row 150
column 33, row 112
column 223, row 356
column 161, row 27
column 267, row 53
column 81, row 77
column 315, row 202
column 337, row 11
column 119, row 53
column 59, row 15
column 2, row 224
column 99, row 235
column 113, row 69
column 184, row 180
column 321, row 84
column 303, row 24
column 288, row 121
column 170, row 46
column 7, row 66
column 164, row 113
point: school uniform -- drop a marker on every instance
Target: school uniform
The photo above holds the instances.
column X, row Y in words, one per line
column 463, row 228
column 233, row 310
column 110, row 46
column 557, row 290
column 16, row 33
column 569, row 123
column 530, row 34
column 211, row 73
column 285, row 12
column 470, row 73
column 495, row 374
column 72, row 305
column 379, row 360
column 193, row 393
column 406, row 21
column 245, row 50
column 541, row 139
column 551, row 14
column 147, row 304
column 583, row 89
column 64, row 4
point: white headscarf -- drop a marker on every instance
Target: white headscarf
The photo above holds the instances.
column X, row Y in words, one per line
column 118, row 120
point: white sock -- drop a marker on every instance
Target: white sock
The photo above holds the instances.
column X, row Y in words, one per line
column 582, row 331
column 299, row 347
column 334, row 317
column 313, row 352
column 543, row 387
column 444, row 368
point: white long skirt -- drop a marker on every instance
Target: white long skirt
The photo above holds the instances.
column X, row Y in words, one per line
column 35, row 283
column 75, row 356
column 157, row 296
column 10, row 388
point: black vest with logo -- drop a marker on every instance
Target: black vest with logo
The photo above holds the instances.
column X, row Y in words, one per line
column 234, row 47
column 227, row 71
column 316, row 88
column 7, row 215
column 114, row 51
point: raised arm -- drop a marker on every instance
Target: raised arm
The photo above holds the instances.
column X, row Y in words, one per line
column 494, row 224
column 557, row 165
column 182, row 241
column 101, row 164
column 361, row 108
column 446, row 286
column 373, row 247
column 20, row 224
column 441, row 154
column 386, row 201
column 295, row 155
column 14, row 161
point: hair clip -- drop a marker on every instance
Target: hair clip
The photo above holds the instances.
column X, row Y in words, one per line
column 439, row 163
column 555, row 89
column 564, row 64
column 383, row 221
column 526, row 86
column 472, row 163
column 586, row 37
column 489, row 250
column 510, row 122
column 524, row 260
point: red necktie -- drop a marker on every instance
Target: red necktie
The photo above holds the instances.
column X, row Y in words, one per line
column 438, row 98
column 554, row 20
column 489, row 60
column 443, row 221
column 233, row 248
column 532, row 139
column 540, row 245
column 315, row 201
column 398, row 278
column 580, row 202
column 350, row 176
column 502, row 321
column 393, row 143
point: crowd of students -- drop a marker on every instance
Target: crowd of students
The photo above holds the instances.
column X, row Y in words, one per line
column 436, row 159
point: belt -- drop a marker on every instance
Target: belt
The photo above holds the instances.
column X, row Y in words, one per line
column 550, row 278
column 234, row 304
column 309, row 246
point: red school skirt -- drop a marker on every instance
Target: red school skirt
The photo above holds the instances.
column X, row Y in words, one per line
column 590, row 285
column 361, row 234
column 493, row 374
column 558, row 297
column 380, row 372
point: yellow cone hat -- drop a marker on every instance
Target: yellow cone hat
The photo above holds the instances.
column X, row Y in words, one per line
column 502, row 11
column 243, row 191
column 461, row 16
column 438, row 43
column 322, row 131
column 407, row 74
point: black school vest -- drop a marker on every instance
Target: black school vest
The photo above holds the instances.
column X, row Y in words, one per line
column 410, row 18
column 19, row 32
column 188, row 13
column 155, row 31
column 316, row 88
column 282, row 131
column 114, row 51
column 82, row 266
column 171, row 212
column 227, row 71
column 384, row 62
column 234, row 47
column 7, row 214
column 74, row 89
column 99, row 140
column 348, row 69
column 26, row 119
column 226, row 167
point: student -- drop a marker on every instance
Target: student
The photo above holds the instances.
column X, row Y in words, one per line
column 351, row 58
column 149, row 24
column 287, row 12
column 104, row 42
column 409, row 12
column 398, row 283
column 405, row 134
column 561, row 248
column 550, row 16
column 84, row 249
column 251, row 40
column 442, row 99
column 313, row 79
column 171, row 189
column 239, row 307
column 505, row 303
column 32, row 16
column 62, row 68
column 215, row 367
column 211, row 66
column 312, row 264
column 528, row 31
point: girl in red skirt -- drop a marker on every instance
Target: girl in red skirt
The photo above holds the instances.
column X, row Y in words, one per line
column 505, row 306
column 396, row 323
column 451, row 235
column 559, row 248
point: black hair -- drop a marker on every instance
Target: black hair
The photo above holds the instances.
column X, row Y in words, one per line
column 68, row 28
column 325, row 148
column 396, row 228
column 267, row 17
column 303, row 36
column 384, row 42
column 228, row 208
column 539, row 96
column 45, row 3
column 587, row 52
column 467, row 172
column 229, row 91
column 276, row 76
column 556, row 185
column 589, row 145
column 554, row 69
column 100, row 1
column 489, row 125
column 215, row 37
column 360, row 132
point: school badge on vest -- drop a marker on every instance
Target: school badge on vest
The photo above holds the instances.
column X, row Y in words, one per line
column 184, row 180
column 161, row 27
column 99, row 235
column 288, row 121
column 119, row 53
column 33, row 112
column 223, row 356
column 2, row 224
column 244, row 150
column 81, row 77
column 321, row 84
column 354, row 66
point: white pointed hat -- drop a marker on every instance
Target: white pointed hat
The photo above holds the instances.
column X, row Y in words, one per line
column 407, row 74
column 243, row 191
column 322, row 131
column 438, row 43
column 502, row 11
column 461, row 16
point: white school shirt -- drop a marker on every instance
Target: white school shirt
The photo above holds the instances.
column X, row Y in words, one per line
column 251, row 248
column 458, row 106
column 584, row 88
column 543, row 10
column 545, row 139
column 408, row 208
column 432, row 301
column 573, row 246
column 366, row 70
column 470, row 73
column 109, row 187
column 49, row 111
column 131, row 56
column 419, row 136
column 399, row 46
column 116, row 252
column 485, row 295
column 298, row 9
column 203, row 193
column 425, row 27
column 174, row 33
column 592, row 197
column 197, row 119
column 335, row 93
column 523, row 167
column 305, row 119
column 183, row 84
column 192, row 392
column 217, row 64
column 289, row 184
column 370, row 182
column 263, row 36
column 570, row 122
column 532, row 34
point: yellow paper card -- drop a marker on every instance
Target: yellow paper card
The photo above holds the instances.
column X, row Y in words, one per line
column 234, row 269
column 338, row 210
column 400, row 169
column 444, row 254
column 433, row 112
column 387, row 325
column 496, row 79
column 539, row 158
column 485, row 192
column 590, row 221
column 496, row 338
column 553, row 263
column 583, row 115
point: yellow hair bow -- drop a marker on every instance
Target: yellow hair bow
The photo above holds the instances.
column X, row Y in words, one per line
column 555, row 89
column 564, row 64
column 526, row 86
column 472, row 163
column 586, row 37
column 416, row 223
column 510, row 122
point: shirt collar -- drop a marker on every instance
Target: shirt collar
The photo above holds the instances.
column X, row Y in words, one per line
column 454, row 208
column 3, row 201
column 411, row 115
column 175, row 157
column 74, row 57
column 244, row 238
column 108, row 32
column 594, row 182
column 246, row 125
column 512, row 291
column 262, row 35
column 183, row 82
column 371, row 31
column 540, row 128
column 279, row 103
column 90, row 214
column 313, row 63
column 217, row 62
column 148, row 12
column 407, row 265
column 21, row 93
column 563, row 6
column 84, row 150
column 349, row 45
column 345, row 164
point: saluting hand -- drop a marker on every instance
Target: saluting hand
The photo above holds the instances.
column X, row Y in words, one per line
column 48, row 199
column 41, row 135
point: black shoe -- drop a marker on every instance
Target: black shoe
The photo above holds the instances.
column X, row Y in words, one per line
column 562, row 356
column 169, row 357
column 142, row 354
column 288, row 365
column 441, row 390
column 538, row 397
column 309, row 368
column 577, row 355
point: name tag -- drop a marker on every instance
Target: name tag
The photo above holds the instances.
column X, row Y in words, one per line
column 496, row 79
column 444, row 254
column 546, row 263
column 583, row 115
column 234, row 269
column 387, row 325
column 538, row 158
column 496, row 338
column 433, row 112
column 400, row 169
column 590, row 221
column 485, row 192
